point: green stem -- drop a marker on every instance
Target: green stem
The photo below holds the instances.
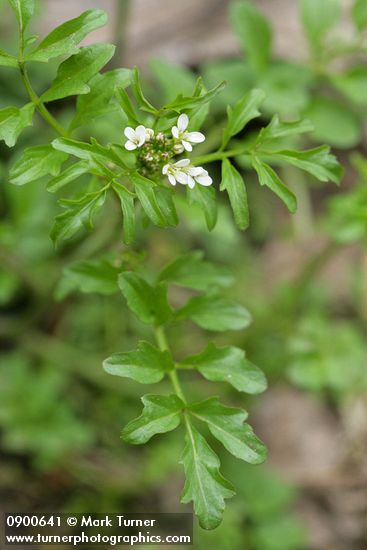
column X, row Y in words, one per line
column 219, row 155
column 46, row 115
column 161, row 339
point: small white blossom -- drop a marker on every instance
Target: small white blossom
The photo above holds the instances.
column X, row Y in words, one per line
column 149, row 133
column 136, row 138
column 182, row 172
column 184, row 137
column 176, row 172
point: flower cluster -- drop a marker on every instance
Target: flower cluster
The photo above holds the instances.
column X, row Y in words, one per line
column 156, row 152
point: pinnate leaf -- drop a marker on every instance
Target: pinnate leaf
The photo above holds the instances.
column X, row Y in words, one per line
column 99, row 101
column 63, row 40
column 206, row 198
column 268, row 177
column 227, row 425
column 246, row 109
column 13, row 121
column 7, row 60
column 147, row 302
column 161, row 414
column 24, row 10
column 213, row 312
column 191, row 271
column 146, row 365
column 74, row 73
column 35, row 163
column 78, row 213
column 228, row 364
column 318, row 162
column 233, row 183
column 71, row 173
column 128, row 210
column 88, row 276
column 204, row 485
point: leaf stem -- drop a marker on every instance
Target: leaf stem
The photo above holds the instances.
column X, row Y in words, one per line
column 219, row 155
column 161, row 339
column 46, row 115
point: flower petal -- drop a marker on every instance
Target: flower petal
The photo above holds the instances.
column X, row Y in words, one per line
column 130, row 146
column 182, row 122
column 175, row 132
column 182, row 162
column 195, row 137
column 204, row 180
column 196, row 171
column 130, row 133
column 171, row 179
column 181, row 177
column 141, row 135
column 190, row 182
column 187, row 145
column 165, row 169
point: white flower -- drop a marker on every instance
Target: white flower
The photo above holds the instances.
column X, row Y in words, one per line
column 176, row 172
column 186, row 138
column 137, row 138
column 149, row 133
column 182, row 172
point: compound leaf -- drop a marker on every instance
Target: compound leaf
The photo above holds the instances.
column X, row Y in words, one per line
column 161, row 414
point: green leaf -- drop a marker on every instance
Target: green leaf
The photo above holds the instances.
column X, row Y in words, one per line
column 146, row 365
column 128, row 211
column 246, row 109
column 141, row 100
column 287, row 86
column 161, row 414
column 74, row 73
column 204, row 485
column 146, row 194
column 191, row 271
column 173, row 79
column 13, row 121
column 89, row 276
column 334, row 121
column 125, row 104
column 318, row 19
column 227, row 425
column 206, row 198
column 215, row 313
column 7, row 60
column 70, row 174
column 253, row 31
column 318, row 162
column 79, row 213
column 99, row 100
column 268, row 177
column 24, row 10
column 360, row 14
column 228, row 364
column 35, row 163
column 92, row 152
column 277, row 129
column 181, row 102
column 233, row 183
column 166, row 205
column 147, row 302
column 352, row 83
column 63, row 40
